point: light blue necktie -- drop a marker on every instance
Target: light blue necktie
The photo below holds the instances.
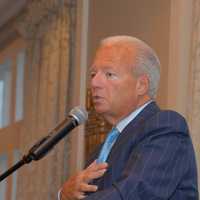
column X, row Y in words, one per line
column 107, row 146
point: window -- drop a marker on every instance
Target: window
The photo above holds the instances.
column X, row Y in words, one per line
column 9, row 77
column 5, row 92
column 20, row 85
column 3, row 167
column 12, row 67
column 16, row 156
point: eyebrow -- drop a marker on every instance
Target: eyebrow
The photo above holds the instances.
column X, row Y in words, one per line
column 103, row 68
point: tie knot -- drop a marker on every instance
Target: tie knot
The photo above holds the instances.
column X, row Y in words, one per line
column 114, row 130
column 112, row 134
column 109, row 142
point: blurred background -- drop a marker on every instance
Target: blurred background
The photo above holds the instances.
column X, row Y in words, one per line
column 46, row 49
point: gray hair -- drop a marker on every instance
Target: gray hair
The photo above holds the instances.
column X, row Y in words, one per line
column 146, row 63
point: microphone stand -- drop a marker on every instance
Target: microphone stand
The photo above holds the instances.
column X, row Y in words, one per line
column 25, row 159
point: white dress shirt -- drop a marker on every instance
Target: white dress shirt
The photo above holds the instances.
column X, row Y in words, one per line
column 124, row 122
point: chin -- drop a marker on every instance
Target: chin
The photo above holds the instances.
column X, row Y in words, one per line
column 100, row 108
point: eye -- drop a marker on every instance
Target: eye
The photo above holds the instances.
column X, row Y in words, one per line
column 92, row 74
column 111, row 75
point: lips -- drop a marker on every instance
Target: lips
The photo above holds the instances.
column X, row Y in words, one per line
column 97, row 99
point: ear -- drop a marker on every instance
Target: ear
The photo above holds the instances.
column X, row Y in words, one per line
column 142, row 85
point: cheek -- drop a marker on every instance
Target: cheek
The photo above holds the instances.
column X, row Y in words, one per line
column 121, row 92
column 117, row 94
column 126, row 93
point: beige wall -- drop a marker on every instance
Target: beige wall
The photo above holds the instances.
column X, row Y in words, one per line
column 147, row 20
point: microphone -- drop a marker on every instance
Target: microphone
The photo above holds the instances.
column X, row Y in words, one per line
column 77, row 116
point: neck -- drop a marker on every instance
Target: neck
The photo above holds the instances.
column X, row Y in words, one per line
column 115, row 119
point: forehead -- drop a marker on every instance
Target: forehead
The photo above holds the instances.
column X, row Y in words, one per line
column 114, row 55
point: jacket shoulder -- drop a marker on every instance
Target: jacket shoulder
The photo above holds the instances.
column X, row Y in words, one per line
column 168, row 120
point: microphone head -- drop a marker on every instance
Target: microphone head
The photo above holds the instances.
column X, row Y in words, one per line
column 79, row 114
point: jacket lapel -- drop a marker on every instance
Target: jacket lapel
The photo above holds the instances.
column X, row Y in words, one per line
column 129, row 132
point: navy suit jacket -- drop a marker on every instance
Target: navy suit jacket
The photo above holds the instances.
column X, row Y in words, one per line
column 152, row 159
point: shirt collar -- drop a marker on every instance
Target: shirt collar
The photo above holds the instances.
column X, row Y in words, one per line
column 124, row 122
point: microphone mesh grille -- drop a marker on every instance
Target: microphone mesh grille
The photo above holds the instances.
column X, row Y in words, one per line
column 79, row 113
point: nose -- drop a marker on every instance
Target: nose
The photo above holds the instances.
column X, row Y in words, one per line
column 96, row 80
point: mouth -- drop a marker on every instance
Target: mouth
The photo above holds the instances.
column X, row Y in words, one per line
column 97, row 99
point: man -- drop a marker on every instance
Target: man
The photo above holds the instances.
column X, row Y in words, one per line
column 151, row 157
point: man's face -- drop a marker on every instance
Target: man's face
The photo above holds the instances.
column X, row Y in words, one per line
column 113, row 86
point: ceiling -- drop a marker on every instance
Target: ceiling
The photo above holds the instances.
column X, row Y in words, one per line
column 9, row 9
